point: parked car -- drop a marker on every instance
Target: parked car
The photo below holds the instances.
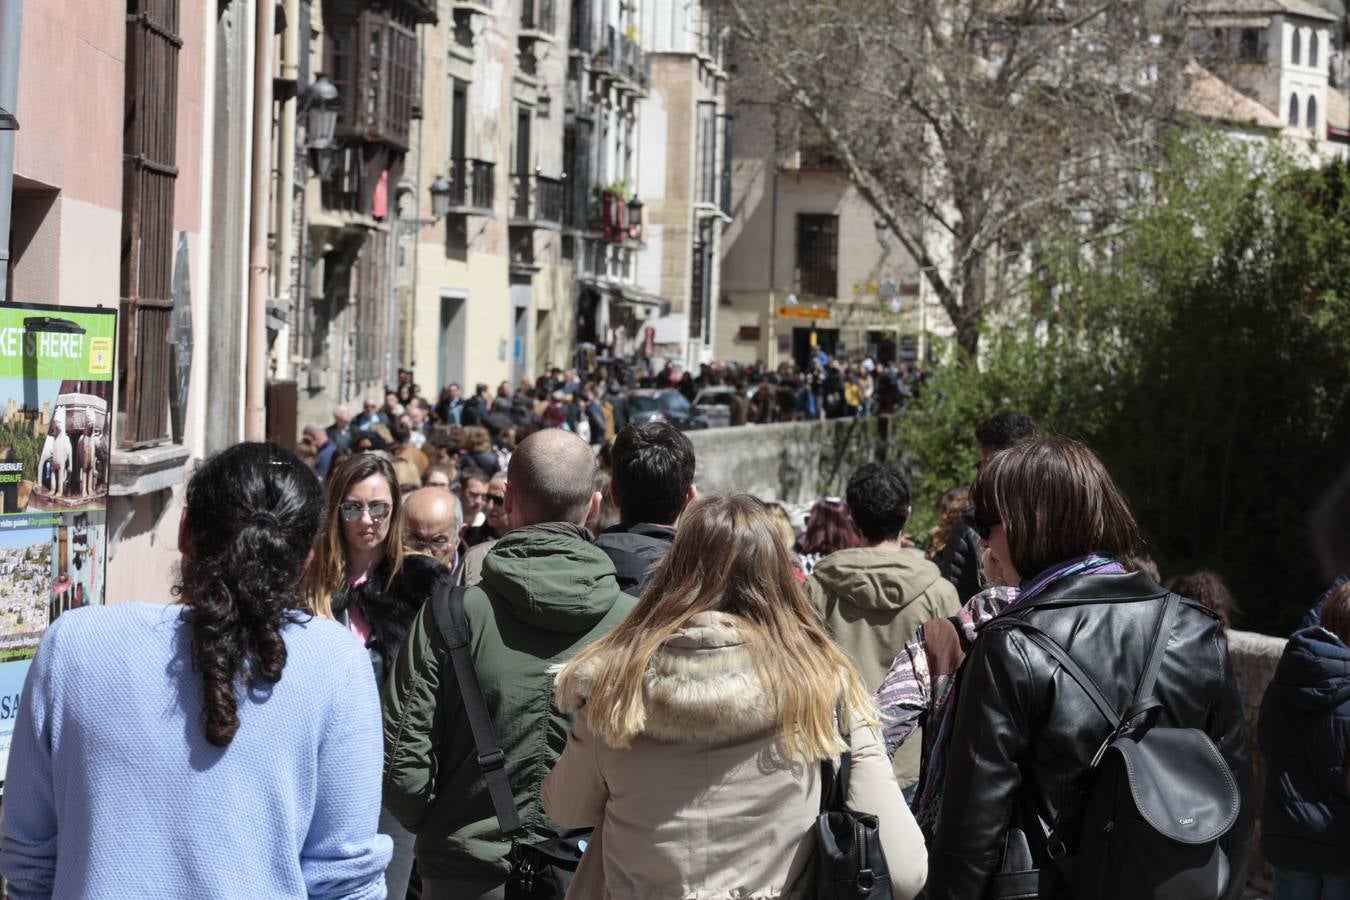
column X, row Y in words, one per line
column 668, row 405
column 715, row 403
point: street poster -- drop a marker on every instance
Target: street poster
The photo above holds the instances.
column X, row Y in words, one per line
column 56, row 381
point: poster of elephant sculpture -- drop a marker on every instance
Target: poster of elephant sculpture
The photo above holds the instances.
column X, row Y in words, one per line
column 56, row 391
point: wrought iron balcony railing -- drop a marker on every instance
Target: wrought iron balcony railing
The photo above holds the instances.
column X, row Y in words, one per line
column 472, row 186
column 538, row 200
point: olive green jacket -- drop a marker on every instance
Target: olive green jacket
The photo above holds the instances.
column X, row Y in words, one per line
column 547, row 591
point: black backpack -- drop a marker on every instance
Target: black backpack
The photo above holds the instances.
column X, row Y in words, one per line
column 1156, row 801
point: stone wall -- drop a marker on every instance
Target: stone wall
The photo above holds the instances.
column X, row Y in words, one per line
column 791, row 462
column 1254, row 659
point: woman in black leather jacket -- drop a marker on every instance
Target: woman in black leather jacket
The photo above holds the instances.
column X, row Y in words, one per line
column 1053, row 523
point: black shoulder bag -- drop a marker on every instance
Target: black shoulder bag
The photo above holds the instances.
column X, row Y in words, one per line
column 851, row 863
column 544, row 869
column 1157, row 800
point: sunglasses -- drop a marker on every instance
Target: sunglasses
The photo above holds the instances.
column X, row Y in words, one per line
column 984, row 526
column 351, row 511
column 496, row 500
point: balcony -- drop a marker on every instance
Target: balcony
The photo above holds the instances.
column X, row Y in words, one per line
column 619, row 57
column 538, row 18
column 472, row 187
column 537, row 201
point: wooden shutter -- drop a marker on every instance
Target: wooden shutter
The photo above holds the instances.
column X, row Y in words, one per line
column 148, row 173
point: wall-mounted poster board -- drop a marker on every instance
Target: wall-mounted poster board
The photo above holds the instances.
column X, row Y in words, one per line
column 56, row 415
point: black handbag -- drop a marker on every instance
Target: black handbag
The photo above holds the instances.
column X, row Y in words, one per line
column 851, row 863
column 542, row 870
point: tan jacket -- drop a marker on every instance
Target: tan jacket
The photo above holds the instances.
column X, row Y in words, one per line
column 703, row 804
column 873, row 601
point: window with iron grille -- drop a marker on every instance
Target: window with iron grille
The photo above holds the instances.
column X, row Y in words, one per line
column 700, row 289
column 728, row 125
column 707, row 152
column 817, row 254
column 149, row 170
column 368, row 335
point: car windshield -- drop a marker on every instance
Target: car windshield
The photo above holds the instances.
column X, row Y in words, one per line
column 674, row 402
column 716, row 398
column 641, row 404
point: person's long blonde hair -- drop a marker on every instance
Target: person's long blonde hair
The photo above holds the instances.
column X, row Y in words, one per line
column 328, row 571
column 728, row 556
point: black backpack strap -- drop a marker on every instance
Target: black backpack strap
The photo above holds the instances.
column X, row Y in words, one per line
column 447, row 608
column 1143, row 697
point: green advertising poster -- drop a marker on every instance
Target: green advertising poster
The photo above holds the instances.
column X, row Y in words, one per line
column 56, row 382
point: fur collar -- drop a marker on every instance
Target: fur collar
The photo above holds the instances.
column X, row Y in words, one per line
column 700, row 687
column 390, row 613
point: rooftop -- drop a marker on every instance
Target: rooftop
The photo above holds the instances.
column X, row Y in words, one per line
column 1301, row 8
column 1210, row 97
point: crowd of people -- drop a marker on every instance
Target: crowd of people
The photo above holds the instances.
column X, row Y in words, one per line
column 594, row 404
column 528, row 669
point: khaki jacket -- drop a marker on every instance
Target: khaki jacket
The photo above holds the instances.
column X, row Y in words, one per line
column 704, row 804
column 873, row 601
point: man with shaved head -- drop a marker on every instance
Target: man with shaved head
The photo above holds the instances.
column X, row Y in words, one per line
column 430, row 526
column 546, row 591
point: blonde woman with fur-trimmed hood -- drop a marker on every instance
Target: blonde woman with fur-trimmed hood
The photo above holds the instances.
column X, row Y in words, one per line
column 700, row 723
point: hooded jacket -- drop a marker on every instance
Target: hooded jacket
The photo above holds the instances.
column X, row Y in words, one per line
column 1305, row 739
column 873, row 601
column 703, row 803
column 546, row 592
column 636, row 551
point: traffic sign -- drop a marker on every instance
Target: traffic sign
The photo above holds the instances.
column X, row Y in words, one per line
column 803, row 312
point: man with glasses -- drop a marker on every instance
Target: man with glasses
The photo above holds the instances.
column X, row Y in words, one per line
column 370, row 415
column 495, row 521
column 430, row 526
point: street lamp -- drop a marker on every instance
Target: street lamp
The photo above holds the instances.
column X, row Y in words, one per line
column 440, row 198
column 635, row 217
column 321, row 111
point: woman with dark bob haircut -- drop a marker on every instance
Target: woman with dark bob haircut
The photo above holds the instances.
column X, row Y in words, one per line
column 227, row 745
column 1054, row 525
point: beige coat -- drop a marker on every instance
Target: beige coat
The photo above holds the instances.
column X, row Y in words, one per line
column 703, row 804
column 873, row 601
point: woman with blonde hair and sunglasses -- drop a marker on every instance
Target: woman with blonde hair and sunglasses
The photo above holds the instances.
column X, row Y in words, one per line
column 700, row 723
column 363, row 577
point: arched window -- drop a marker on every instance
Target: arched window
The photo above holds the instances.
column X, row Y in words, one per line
column 1293, row 110
column 1312, row 50
column 1296, row 49
column 1312, row 113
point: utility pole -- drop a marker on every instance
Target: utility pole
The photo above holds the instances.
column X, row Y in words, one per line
column 11, row 21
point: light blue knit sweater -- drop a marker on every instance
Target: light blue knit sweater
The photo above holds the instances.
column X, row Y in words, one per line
column 114, row 792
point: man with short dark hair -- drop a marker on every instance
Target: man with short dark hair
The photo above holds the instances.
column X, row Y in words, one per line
column 652, row 482
column 873, row 598
column 546, row 593
column 960, row 559
column 1001, row 430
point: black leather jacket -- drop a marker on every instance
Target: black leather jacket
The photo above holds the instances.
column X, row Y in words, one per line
column 960, row 559
column 1019, row 716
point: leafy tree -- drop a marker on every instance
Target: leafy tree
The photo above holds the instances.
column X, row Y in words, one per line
column 1204, row 352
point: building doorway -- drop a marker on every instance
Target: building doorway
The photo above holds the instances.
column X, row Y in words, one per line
column 827, row 339
column 450, row 367
column 881, row 346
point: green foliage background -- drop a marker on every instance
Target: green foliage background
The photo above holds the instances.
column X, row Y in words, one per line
column 1204, row 354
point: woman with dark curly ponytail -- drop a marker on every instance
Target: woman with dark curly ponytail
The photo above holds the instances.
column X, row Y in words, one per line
column 226, row 746
column 363, row 577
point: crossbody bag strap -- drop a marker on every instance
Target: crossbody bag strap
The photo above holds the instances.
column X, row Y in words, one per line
column 447, row 608
column 1066, row 662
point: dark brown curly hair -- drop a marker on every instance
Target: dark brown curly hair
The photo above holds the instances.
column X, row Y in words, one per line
column 253, row 512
